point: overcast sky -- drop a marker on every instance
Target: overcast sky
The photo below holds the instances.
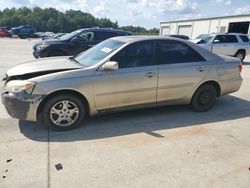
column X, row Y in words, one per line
column 146, row 13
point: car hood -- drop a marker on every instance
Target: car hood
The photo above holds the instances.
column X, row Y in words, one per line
column 43, row 66
column 195, row 40
column 48, row 41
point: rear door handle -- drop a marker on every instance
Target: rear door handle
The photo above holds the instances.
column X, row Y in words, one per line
column 150, row 74
column 200, row 69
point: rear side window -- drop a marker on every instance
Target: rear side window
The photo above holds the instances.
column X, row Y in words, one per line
column 170, row 52
column 103, row 35
column 231, row 39
column 244, row 38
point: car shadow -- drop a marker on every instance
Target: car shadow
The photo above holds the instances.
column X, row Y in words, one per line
column 140, row 121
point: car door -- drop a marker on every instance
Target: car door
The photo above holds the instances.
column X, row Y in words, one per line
column 133, row 83
column 181, row 68
column 225, row 44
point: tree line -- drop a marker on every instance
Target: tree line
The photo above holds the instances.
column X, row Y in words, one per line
column 50, row 19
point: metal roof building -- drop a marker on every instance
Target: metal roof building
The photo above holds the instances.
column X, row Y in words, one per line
column 195, row 27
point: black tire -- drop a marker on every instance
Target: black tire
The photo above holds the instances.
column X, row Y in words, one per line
column 240, row 55
column 21, row 36
column 56, row 53
column 204, row 98
column 48, row 118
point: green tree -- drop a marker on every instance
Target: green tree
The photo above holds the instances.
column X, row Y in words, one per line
column 50, row 19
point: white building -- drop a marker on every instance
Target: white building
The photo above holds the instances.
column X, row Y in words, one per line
column 195, row 27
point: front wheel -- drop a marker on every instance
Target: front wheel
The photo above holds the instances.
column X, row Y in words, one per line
column 63, row 112
column 240, row 55
column 204, row 98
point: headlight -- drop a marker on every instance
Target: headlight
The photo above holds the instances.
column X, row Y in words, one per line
column 17, row 86
column 42, row 46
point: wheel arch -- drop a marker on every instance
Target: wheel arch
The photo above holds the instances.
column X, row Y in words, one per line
column 60, row 92
column 241, row 50
column 213, row 83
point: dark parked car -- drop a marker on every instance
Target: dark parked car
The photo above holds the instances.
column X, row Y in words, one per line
column 180, row 36
column 23, row 31
column 73, row 43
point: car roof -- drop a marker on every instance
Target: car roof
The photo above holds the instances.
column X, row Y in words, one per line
column 214, row 34
column 136, row 38
column 209, row 56
column 103, row 29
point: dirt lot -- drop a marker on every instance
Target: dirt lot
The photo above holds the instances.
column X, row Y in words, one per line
column 163, row 147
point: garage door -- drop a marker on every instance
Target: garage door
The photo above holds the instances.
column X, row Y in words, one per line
column 165, row 30
column 185, row 30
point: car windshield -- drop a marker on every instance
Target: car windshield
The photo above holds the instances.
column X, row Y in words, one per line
column 70, row 35
column 202, row 36
column 207, row 38
column 98, row 52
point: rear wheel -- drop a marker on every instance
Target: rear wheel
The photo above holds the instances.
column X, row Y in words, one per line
column 23, row 36
column 204, row 98
column 63, row 112
column 240, row 55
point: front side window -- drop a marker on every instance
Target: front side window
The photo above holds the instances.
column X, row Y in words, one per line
column 171, row 52
column 219, row 39
column 138, row 54
column 86, row 36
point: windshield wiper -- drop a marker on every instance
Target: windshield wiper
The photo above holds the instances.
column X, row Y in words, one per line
column 73, row 59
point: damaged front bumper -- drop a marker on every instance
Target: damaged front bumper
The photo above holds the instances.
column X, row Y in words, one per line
column 21, row 105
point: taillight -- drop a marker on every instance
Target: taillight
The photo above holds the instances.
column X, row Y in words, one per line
column 240, row 67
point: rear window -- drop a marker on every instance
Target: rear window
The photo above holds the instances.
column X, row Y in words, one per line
column 230, row 39
column 244, row 38
column 171, row 52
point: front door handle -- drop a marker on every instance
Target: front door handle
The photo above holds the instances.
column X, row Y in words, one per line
column 150, row 74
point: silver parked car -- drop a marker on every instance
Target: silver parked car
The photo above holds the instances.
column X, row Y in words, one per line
column 231, row 44
column 119, row 74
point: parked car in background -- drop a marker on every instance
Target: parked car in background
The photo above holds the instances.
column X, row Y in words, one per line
column 4, row 32
column 24, row 31
column 47, row 35
column 53, row 36
column 199, row 38
column 231, row 44
column 120, row 73
column 179, row 36
column 73, row 43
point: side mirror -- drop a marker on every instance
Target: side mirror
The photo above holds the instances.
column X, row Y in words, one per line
column 109, row 66
column 216, row 41
column 202, row 42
